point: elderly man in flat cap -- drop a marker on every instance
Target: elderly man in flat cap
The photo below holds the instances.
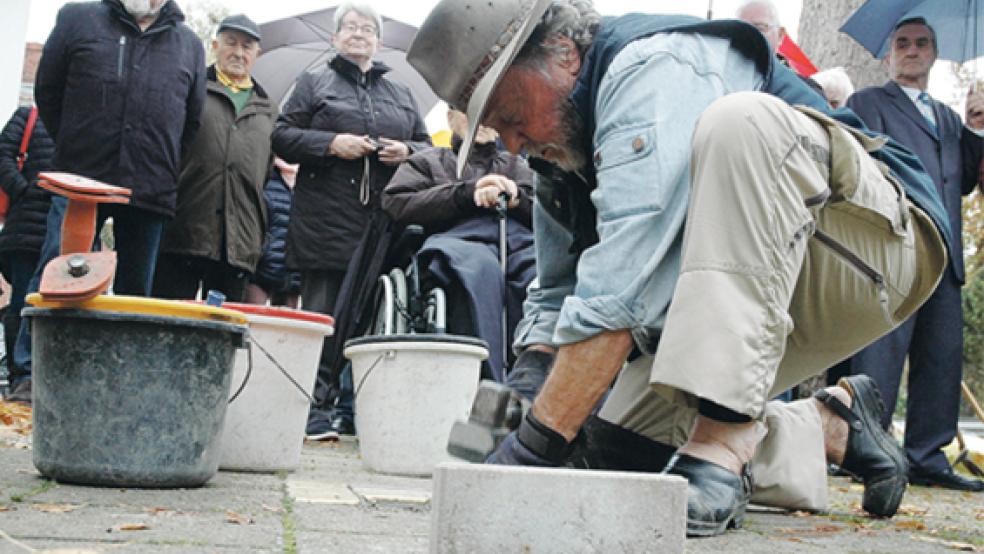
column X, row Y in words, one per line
column 708, row 233
column 216, row 237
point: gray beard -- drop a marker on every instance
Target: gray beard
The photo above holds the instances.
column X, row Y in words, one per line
column 569, row 155
column 141, row 8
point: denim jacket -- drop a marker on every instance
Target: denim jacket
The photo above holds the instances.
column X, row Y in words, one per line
column 646, row 109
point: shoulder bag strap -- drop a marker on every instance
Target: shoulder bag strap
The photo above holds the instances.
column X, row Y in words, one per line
column 26, row 138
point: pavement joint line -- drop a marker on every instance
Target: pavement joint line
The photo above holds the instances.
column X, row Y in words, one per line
column 289, row 534
column 44, row 486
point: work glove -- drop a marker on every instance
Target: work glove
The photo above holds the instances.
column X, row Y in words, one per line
column 529, row 371
column 532, row 444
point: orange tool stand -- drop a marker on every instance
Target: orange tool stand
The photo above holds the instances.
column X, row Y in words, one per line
column 79, row 274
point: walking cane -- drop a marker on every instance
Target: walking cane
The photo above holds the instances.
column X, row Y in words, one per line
column 500, row 207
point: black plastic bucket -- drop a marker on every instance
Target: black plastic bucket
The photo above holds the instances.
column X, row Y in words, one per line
column 129, row 400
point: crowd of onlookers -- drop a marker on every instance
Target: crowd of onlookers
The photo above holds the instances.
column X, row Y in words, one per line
column 267, row 204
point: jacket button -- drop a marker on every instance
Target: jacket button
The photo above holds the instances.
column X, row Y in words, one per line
column 312, row 175
column 638, row 144
column 557, row 204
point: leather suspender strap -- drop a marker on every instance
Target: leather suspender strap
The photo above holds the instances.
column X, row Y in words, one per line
column 839, row 408
column 26, row 138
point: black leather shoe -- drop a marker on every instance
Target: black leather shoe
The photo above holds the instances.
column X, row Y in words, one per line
column 947, row 479
column 872, row 454
column 21, row 393
column 716, row 497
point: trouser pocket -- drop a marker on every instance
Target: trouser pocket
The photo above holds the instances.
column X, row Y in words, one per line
column 864, row 269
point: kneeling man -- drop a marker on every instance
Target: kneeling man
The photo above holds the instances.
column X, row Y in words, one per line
column 707, row 234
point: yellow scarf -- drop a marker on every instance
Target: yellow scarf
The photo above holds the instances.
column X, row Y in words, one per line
column 227, row 81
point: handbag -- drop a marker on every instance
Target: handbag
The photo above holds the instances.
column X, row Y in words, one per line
column 32, row 118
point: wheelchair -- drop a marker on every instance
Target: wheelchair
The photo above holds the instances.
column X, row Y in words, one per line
column 403, row 303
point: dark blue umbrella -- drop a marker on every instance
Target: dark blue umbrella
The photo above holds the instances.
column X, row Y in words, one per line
column 956, row 23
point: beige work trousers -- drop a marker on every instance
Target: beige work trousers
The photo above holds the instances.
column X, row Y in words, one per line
column 798, row 252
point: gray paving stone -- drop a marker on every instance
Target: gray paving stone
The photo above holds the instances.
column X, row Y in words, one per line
column 479, row 508
column 309, row 542
column 366, row 519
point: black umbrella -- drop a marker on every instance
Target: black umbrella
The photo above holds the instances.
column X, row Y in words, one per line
column 295, row 44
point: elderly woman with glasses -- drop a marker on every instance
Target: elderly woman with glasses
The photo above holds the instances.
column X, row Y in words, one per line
column 349, row 127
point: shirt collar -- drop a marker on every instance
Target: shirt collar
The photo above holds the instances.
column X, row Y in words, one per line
column 913, row 93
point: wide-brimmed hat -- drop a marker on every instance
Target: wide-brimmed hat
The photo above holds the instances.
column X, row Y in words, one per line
column 465, row 46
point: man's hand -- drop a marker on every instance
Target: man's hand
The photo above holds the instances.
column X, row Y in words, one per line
column 350, row 147
column 488, row 189
column 975, row 110
column 394, row 152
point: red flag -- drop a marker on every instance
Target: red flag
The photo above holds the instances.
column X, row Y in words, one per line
column 796, row 58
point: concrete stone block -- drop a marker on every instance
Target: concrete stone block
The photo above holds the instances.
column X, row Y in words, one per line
column 483, row 508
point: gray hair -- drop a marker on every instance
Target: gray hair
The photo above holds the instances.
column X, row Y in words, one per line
column 573, row 19
column 361, row 8
column 917, row 21
column 767, row 4
column 836, row 84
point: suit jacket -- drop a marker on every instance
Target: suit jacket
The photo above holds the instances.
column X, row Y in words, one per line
column 951, row 154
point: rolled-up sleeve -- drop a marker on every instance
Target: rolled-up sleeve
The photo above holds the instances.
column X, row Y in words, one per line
column 647, row 108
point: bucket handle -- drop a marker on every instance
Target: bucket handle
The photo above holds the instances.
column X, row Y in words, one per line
column 249, row 371
column 387, row 354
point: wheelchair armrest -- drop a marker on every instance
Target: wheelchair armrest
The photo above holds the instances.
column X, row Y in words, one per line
column 411, row 239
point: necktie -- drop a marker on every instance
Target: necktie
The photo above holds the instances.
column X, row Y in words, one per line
column 927, row 109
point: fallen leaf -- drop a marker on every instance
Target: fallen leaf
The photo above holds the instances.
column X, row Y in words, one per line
column 953, row 545
column 274, row 509
column 843, row 489
column 17, row 416
column 56, row 508
column 238, row 519
column 911, row 525
column 131, row 527
column 828, row 528
column 5, row 508
column 801, row 513
column 159, row 511
column 910, row 510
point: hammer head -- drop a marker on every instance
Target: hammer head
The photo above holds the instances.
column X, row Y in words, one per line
column 496, row 411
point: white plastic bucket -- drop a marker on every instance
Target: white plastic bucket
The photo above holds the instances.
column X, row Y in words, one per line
column 410, row 389
column 264, row 427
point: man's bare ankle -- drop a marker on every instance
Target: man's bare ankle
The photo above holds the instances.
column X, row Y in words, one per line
column 835, row 429
column 729, row 445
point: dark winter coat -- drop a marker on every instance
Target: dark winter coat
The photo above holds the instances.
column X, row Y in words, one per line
column 271, row 273
column 221, row 212
column 426, row 191
column 26, row 218
column 327, row 217
column 122, row 104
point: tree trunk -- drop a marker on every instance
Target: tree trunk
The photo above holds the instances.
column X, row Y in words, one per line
column 827, row 47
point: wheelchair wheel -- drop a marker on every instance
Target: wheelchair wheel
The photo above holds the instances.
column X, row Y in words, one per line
column 401, row 313
column 382, row 323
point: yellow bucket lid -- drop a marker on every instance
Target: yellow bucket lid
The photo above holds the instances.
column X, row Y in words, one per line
column 146, row 306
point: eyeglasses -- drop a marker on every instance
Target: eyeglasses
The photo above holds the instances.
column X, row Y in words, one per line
column 351, row 28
